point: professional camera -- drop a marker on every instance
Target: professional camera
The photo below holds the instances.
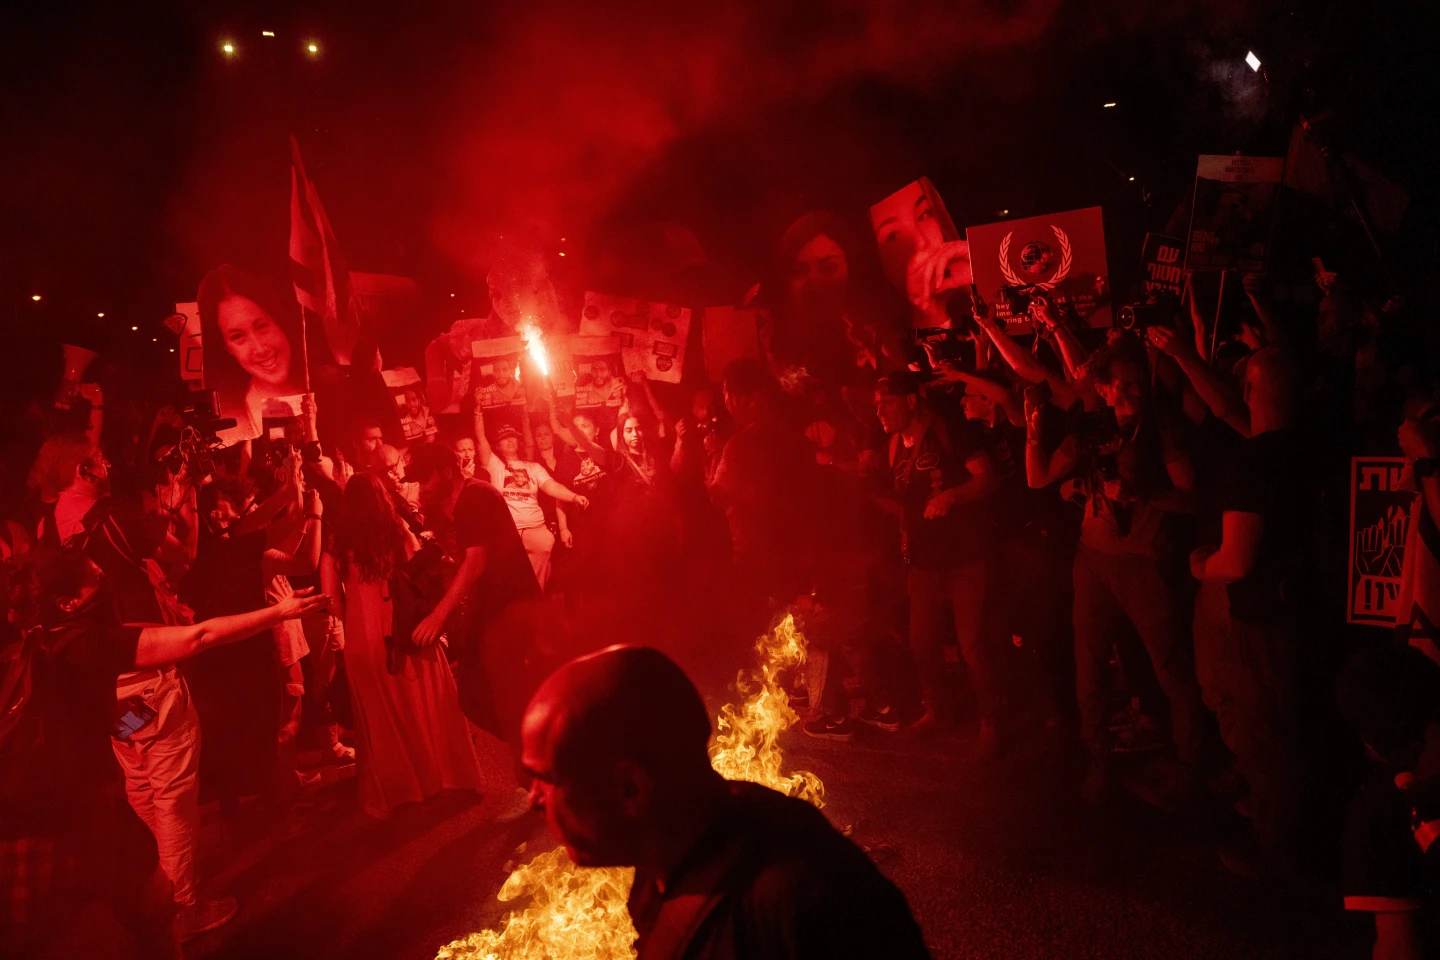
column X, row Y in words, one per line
column 1018, row 298
column 1158, row 310
column 199, row 440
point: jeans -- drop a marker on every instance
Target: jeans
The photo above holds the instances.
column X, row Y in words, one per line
column 1246, row 672
column 960, row 592
column 1109, row 587
column 161, row 763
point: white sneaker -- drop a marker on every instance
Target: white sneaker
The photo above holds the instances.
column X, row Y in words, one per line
column 511, row 807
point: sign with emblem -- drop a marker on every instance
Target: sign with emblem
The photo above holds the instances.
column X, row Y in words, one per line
column 1380, row 515
column 651, row 335
column 1233, row 214
column 1062, row 254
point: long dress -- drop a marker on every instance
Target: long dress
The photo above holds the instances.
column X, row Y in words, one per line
column 411, row 738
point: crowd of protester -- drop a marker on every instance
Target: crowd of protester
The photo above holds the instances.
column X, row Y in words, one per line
column 1137, row 536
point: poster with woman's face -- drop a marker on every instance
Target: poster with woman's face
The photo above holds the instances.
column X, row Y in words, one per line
column 495, row 374
column 249, row 357
column 911, row 219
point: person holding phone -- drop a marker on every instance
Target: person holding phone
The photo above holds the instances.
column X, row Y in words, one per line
column 105, row 679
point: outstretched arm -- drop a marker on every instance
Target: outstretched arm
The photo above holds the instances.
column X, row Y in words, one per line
column 163, row 645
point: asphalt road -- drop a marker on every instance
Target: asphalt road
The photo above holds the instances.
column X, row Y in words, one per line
column 997, row 862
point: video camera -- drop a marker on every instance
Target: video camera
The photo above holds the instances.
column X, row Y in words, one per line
column 1157, row 310
column 199, row 439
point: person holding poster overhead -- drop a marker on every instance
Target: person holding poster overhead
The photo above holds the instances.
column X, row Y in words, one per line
column 921, row 252
column 251, row 348
column 521, row 482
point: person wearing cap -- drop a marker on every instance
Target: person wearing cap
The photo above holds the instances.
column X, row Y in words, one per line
column 521, row 482
column 942, row 477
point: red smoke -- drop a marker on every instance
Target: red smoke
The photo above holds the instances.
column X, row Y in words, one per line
column 576, row 99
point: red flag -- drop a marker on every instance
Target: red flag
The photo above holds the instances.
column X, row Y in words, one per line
column 322, row 284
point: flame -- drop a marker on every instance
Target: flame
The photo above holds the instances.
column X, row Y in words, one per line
column 533, row 343
column 746, row 745
column 578, row 913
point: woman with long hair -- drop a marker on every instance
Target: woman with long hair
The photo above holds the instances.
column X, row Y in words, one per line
column 252, row 348
column 828, row 308
column 411, row 738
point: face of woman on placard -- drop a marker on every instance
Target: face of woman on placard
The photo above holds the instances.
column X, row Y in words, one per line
column 587, row 426
column 818, row 277
column 256, row 342
column 905, row 223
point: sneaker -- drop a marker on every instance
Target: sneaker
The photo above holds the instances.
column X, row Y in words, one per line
column 512, row 807
column 204, row 916
column 838, row 729
column 887, row 719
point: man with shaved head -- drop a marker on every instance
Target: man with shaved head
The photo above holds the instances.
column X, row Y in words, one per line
column 617, row 745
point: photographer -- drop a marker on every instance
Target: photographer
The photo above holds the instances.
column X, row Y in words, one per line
column 1133, row 473
column 102, row 678
column 942, row 475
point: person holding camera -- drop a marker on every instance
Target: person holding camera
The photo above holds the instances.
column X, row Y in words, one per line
column 97, row 677
column 942, row 475
column 1131, row 470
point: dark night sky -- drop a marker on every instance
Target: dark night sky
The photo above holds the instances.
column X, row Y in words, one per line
column 135, row 155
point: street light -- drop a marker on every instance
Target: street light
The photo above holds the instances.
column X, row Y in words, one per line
column 229, row 48
column 314, row 48
column 1252, row 60
column 35, row 297
column 101, row 315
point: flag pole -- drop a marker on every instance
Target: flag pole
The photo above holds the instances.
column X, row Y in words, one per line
column 304, row 348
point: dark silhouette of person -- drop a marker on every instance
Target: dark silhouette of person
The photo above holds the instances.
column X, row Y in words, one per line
column 617, row 745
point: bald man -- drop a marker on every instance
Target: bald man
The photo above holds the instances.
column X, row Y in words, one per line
column 617, row 745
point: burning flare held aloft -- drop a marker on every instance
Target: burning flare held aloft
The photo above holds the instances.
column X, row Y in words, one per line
column 578, row 913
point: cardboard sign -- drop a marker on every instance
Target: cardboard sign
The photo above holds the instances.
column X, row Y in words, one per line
column 1380, row 514
column 192, row 357
column 1233, row 214
column 495, row 372
column 1060, row 253
column 416, row 420
column 599, row 372
column 651, row 335
column 1162, row 271
column 730, row 333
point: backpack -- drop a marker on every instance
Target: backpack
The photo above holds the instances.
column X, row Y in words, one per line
column 413, row 590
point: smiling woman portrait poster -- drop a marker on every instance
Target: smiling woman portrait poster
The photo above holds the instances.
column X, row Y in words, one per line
column 250, row 335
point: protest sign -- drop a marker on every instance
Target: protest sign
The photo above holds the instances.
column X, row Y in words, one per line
column 495, row 372
column 1380, row 514
column 730, row 333
column 416, row 421
column 1163, row 269
column 598, row 372
column 1062, row 254
column 192, row 357
column 651, row 335
column 1233, row 213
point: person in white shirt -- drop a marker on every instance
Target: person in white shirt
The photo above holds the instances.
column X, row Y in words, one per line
column 521, row 482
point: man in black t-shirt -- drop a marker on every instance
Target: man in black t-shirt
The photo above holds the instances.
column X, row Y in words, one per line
column 616, row 744
column 1244, row 616
column 495, row 586
column 943, row 476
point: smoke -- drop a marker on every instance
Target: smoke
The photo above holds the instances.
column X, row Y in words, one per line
column 575, row 100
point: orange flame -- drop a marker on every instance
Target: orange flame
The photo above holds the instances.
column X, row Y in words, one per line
column 578, row 913
column 536, row 345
